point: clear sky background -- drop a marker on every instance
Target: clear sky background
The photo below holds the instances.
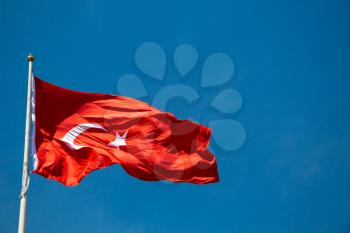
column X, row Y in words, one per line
column 292, row 61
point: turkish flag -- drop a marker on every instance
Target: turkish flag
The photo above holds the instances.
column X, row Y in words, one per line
column 77, row 133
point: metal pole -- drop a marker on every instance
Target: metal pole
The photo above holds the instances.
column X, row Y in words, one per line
column 25, row 174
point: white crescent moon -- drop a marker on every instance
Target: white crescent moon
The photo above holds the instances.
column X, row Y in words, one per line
column 71, row 135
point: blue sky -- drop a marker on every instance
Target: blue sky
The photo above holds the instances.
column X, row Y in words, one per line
column 292, row 62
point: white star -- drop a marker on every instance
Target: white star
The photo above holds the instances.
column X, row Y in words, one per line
column 119, row 140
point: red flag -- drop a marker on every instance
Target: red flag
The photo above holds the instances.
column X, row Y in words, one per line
column 77, row 133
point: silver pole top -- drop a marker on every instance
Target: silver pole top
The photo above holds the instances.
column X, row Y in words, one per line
column 30, row 57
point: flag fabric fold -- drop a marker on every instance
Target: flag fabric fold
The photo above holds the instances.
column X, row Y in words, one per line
column 77, row 133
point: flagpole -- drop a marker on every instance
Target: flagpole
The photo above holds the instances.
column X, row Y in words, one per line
column 25, row 173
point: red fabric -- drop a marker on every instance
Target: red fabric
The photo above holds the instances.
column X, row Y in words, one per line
column 158, row 146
